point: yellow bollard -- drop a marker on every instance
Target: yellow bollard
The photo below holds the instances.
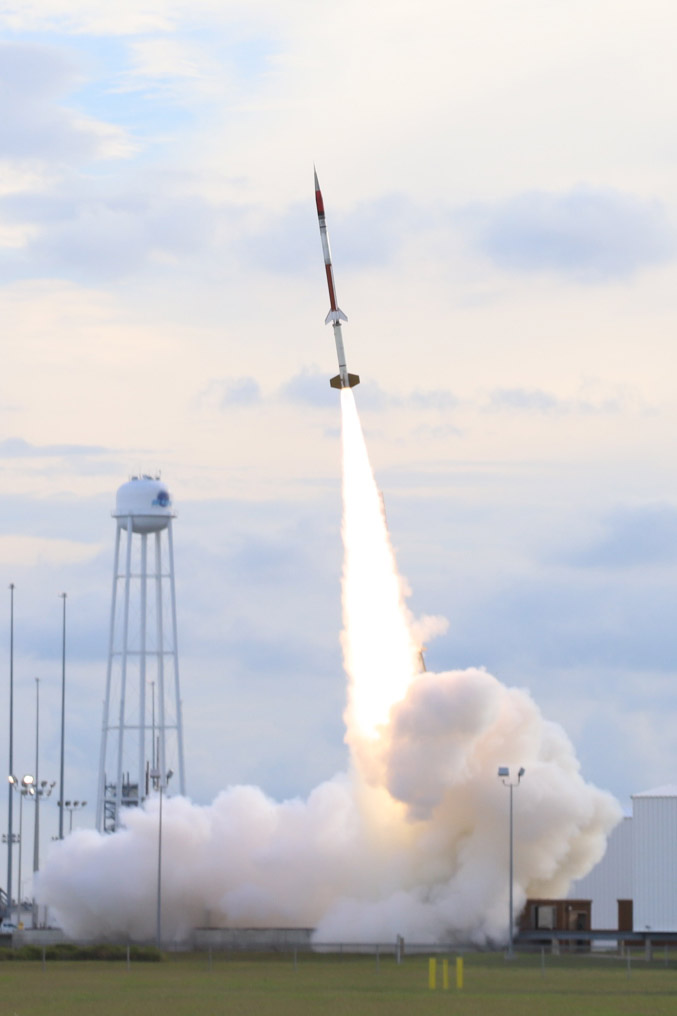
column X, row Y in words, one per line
column 445, row 974
column 459, row 971
column 432, row 973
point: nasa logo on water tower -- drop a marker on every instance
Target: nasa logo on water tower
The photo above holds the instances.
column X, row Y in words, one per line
column 146, row 500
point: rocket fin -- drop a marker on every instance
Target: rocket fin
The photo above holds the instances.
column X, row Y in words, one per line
column 338, row 382
column 335, row 316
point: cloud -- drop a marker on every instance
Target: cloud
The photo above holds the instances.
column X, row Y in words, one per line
column 369, row 234
column 94, row 227
column 89, row 16
column 633, row 538
column 18, row 448
column 100, row 228
column 164, row 64
column 41, row 208
column 310, row 388
column 372, row 398
column 85, row 231
column 29, row 552
column 588, row 235
column 62, row 517
column 438, row 432
column 589, row 622
column 535, row 400
column 434, row 399
column 372, row 233
column 375, row 398
column 129, row 18
column 34, row 126
column 238, row 391
column 282, row 245
column 523, row 398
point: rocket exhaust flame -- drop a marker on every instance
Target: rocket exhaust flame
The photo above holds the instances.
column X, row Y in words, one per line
column 381, row 657
column 412, row 841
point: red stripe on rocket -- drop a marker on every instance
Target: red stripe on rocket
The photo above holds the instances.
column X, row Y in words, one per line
column 335, row 313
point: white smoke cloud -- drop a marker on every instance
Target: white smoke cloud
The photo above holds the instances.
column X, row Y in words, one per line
column 413, row 841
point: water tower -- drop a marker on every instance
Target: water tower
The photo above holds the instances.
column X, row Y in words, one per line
column 142, row 734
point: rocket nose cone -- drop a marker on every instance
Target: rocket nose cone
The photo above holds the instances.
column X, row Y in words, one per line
column 319, row 203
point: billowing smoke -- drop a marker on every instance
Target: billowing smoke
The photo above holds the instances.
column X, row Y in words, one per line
column 412, row 841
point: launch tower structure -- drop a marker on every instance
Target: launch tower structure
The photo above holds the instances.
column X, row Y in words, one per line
column 142, row 731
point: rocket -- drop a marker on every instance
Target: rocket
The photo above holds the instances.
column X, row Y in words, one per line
column 343, row 379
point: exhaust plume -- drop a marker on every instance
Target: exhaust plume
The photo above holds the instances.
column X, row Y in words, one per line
column 412, row 841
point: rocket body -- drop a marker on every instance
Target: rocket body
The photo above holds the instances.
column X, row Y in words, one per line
column 343, row 379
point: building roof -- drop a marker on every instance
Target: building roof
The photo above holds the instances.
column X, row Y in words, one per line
column 669, row 790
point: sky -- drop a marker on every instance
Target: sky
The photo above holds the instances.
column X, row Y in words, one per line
column 500, row 188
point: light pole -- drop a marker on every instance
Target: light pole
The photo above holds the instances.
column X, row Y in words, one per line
column 10, row 803
column 70, row 807
column 25, row 788
column 63, row 712
column 511, row 783
column 6, row 839
column 43, row 789
column 160, row 783
column 36, row 827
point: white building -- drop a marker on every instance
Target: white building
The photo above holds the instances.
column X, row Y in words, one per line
column 634, row 886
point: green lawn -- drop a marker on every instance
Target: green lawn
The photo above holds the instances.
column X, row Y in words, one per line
column 186, row 985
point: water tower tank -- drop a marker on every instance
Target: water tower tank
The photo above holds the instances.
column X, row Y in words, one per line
column 147, row 500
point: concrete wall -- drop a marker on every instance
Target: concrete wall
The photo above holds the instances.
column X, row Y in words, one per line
column 38, row 936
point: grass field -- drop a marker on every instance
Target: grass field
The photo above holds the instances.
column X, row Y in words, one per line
column 188, row 985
